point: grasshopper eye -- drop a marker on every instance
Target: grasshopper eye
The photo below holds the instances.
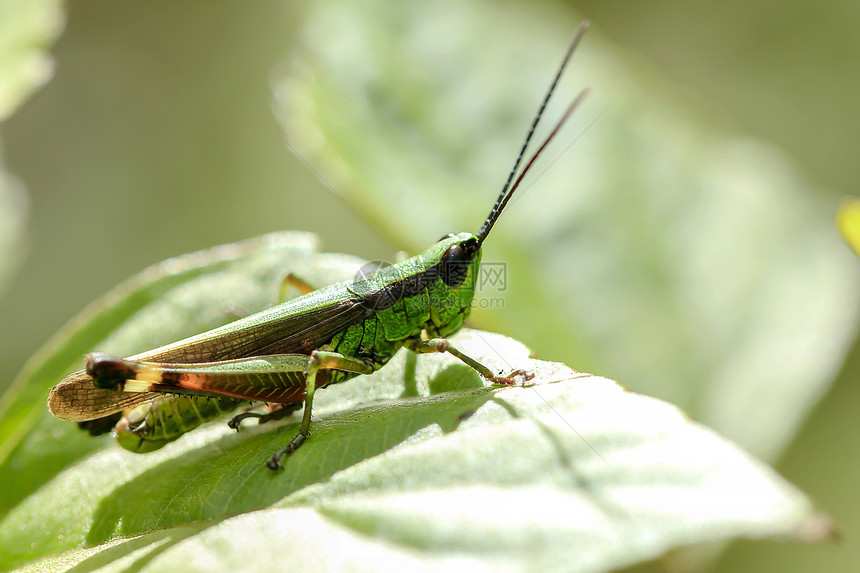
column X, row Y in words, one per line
column 455, row 262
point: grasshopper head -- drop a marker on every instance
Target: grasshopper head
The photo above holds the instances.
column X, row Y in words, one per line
column 458, row 259
column 459, row 254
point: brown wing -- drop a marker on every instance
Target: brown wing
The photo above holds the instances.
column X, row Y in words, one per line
column 75, row 398
column 298, row 326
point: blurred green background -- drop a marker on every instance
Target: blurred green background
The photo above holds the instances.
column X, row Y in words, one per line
column 156, row 137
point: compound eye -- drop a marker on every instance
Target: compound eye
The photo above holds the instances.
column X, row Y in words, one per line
column 456, row 260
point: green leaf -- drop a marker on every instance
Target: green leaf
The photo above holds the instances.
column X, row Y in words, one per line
column 164, row 303
column 572, row 472
column 664, row 251
column 419, row 463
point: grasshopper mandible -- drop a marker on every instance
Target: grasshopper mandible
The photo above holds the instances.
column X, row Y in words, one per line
column 283, row 354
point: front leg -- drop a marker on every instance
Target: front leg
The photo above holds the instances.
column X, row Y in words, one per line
column 443, row 345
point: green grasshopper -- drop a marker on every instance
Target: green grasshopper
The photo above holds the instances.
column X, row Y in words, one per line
column 280, row 356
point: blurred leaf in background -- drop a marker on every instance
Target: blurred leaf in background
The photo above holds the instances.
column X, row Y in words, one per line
column 27, row 30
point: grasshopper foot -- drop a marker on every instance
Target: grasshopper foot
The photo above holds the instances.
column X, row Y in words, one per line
column 510, row 379
column 234, row 422
column 273, row 412
column 274, row 463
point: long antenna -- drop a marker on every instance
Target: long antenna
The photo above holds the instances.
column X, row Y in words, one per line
column 507, row 190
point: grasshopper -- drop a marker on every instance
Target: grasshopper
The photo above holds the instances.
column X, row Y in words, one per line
column 282, row 355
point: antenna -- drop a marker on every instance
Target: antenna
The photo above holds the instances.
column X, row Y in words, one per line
column 507, row 189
